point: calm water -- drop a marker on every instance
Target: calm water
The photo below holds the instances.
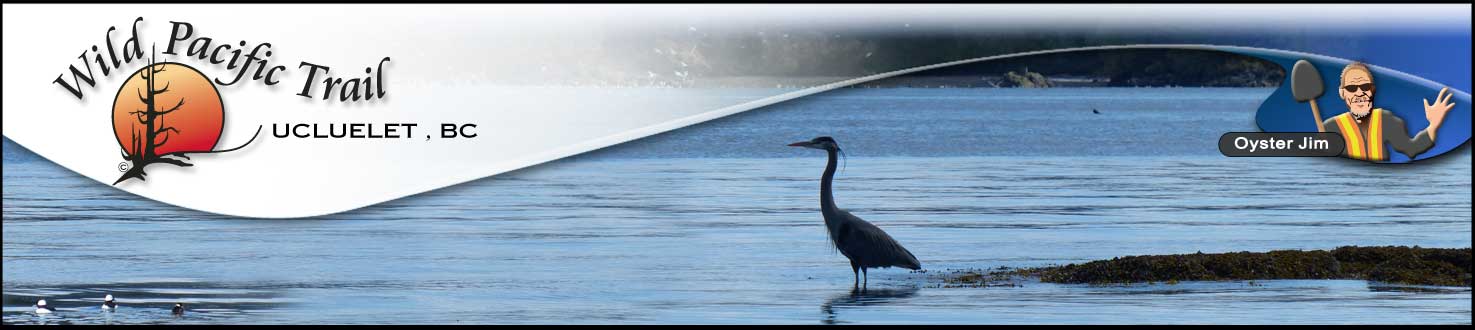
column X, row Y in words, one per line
column 719, row 223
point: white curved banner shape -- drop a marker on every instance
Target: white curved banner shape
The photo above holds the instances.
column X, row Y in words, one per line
column 530, row 78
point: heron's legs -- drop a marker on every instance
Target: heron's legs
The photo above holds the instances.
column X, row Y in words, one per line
column 856, row 269
column 867, row 276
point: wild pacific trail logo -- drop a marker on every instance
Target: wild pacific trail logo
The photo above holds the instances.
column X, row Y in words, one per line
column 164, row 112
column 168, row 110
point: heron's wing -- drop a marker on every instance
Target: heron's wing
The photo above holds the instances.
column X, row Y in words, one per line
column 870, row 245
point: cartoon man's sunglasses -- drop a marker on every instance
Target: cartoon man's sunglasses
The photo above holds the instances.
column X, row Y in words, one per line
column 1354, row 88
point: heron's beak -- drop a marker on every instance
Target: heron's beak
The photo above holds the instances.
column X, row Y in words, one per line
column 800, row 144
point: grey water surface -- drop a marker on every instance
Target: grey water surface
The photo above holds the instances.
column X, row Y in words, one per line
column 719, row 223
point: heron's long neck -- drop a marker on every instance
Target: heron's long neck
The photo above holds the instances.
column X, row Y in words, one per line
column 826, row 198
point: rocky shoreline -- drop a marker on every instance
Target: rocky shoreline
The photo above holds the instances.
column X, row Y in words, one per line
column 1388, row 264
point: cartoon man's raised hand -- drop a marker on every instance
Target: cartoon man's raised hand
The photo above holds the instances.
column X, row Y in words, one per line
column 1435, row 112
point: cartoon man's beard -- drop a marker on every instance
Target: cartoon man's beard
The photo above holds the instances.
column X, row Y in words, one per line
column 1361, row 106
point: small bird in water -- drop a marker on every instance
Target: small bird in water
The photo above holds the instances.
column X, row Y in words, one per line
column 178, row 309
column 108, row 304
column 41, row 307
column 1093, row 110
column 866, row 245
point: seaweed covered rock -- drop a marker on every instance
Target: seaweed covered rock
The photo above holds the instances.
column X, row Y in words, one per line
column 1391, row 264
column 1416, row 271
column 1200, row 267
column 1410, row 265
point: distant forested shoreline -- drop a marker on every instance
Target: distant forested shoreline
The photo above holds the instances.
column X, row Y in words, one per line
column 1104, row 68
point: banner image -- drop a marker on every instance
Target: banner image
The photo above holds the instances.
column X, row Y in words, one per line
column 988, row 164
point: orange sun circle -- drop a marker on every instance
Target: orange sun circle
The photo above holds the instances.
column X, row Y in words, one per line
column 186, row 115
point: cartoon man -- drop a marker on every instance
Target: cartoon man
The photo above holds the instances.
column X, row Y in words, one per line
column 1366, row 129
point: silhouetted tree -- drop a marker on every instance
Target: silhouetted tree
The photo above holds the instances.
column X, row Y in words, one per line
column 155, row 132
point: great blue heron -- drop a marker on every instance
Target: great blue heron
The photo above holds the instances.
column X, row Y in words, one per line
column 866, row 245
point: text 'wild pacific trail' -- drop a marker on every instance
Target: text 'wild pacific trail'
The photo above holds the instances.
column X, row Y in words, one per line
column 255, row 65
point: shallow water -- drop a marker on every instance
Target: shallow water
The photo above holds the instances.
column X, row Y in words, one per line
column 719, row 223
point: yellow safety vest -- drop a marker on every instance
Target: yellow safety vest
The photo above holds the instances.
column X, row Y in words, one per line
column 1357, row 148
